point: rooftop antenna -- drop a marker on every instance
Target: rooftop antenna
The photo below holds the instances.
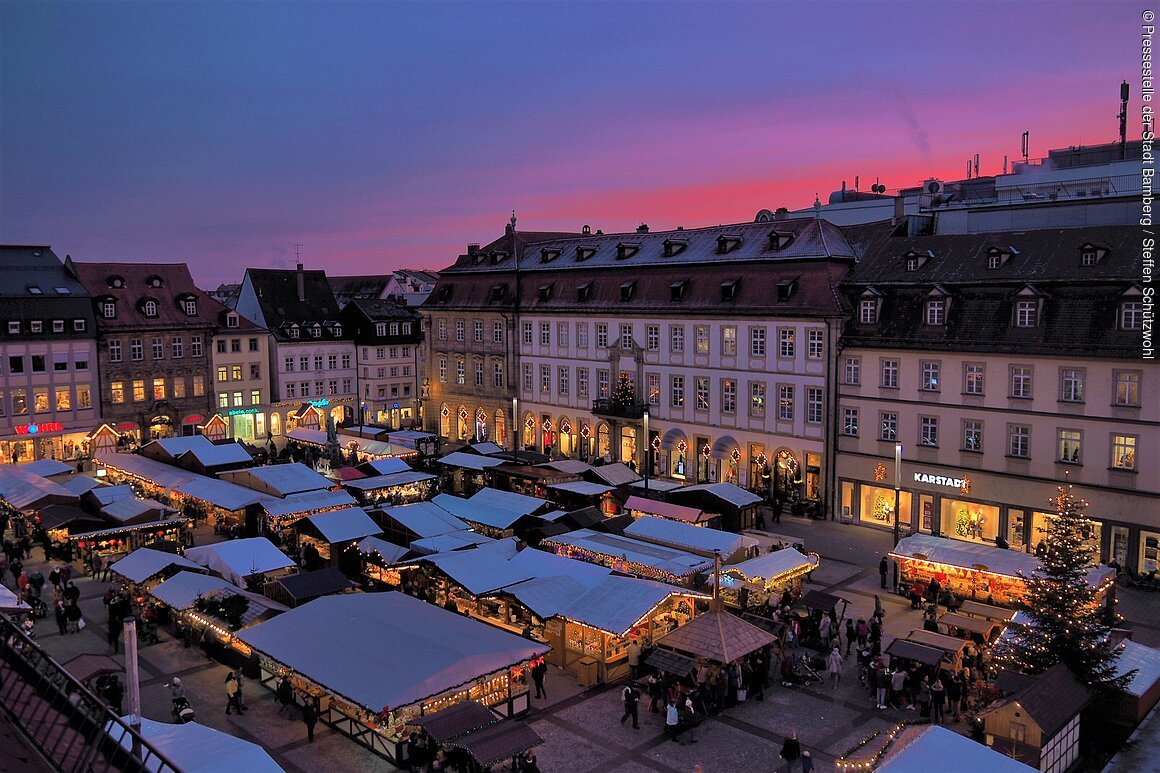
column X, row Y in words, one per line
column 1026, row 145
column 976, row 165
column 1004, row 163
column 1123, row 120
column 968, row 168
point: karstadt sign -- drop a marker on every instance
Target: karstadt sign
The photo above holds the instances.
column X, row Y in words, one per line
column 939, row 480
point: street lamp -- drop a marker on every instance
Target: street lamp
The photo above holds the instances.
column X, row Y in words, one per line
column 897, row 488
column 515, row 429
column 647, row 450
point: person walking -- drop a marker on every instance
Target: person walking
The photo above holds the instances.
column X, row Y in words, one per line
column 851, row 635
column 285, row 693
column 883, row 566
column 72, row 614
column 631, row 698
column 672, row 721
column 807, row 763
column 954, row 689
column 232, row 695
column 882, row 684
column 309, row 718
column 834, row 666
column 539, row 671
column 938, row 697
column 791, row 750
column 240, row 678
column 61, row 619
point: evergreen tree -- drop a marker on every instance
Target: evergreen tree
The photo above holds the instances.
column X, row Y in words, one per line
column 624, row 393
column 1067, row 625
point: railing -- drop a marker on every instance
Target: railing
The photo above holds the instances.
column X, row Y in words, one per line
column 63, row 720
column 604, row 406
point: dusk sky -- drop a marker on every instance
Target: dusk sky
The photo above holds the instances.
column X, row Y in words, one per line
column 382, row 135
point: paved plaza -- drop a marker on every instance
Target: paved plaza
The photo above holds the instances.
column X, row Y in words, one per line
column 581, row 729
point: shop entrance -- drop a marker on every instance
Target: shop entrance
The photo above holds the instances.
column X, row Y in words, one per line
column 160, row 427
column 785, row 476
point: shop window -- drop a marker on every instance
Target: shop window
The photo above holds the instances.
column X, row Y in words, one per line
column 876, row 505
column 969, row 520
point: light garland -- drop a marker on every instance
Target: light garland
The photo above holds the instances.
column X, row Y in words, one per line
column 844, row 763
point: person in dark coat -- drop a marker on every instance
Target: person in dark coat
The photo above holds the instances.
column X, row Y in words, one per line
column 114, row 693
column 310, row 718
column 61, row 619
column 883, row 566
column 72, row 614
column 631, row 698
column 285, row 693
column 791, row 750
column 539, row 671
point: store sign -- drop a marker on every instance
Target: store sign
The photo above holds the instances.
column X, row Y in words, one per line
column 125, row 426
column 244, row 411
column 320, row 403
column 44, row 426
column 939, row 480
column 194, row 419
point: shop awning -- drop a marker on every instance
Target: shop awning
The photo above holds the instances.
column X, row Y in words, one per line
column 497, row 743
column 979, row 609
column 663, row 509
column 967, row 555
column 904, row 648
column 719, row 636
column 670, row 662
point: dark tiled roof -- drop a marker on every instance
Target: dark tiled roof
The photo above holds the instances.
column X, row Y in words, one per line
column 1053, row 699
column 102, row 279
column 348, row 288
column 719, row 636
column 277, row 293
column 310, row 585
column 35, row 266
column 381, row 310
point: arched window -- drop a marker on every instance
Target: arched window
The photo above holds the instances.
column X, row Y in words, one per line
column 444, row 421
column 603, row 441
column 275, row 424
column 528, row 431
column 150, row 308
column 501, row 428
column 464, row 422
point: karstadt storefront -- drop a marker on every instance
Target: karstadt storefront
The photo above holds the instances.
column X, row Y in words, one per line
column 979, row 506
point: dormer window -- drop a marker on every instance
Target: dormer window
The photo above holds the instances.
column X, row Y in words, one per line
column 189, row 305
column 994, row 260
column 497, row 293
column 779, row 240
column 380, row 328
column 1131, row 314
column 625, row 251
column 149, row 308
column 116, row 281
column 584, row 253
column 337, row 330
column 729, row 289
column 62, row 291
column 35, row 290
column 545, row 293
column 1091, row 254
column 936, row 311
column 232, row 320
column 674, row 247
column 584, row 291
column 869, row 305
column 109, row 309
column 444, row 293
column 677, row 290
column 1027, row 313
column 785, row 289
column 627, row 290
column 316, row 331
column 294, row 331
column 497, row 257
column 726, row 244
column 916, row 260
column 548, row 254
column 998, row 256
column 154, row 281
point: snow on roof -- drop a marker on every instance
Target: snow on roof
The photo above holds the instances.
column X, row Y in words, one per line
column 10, row 602
column 182, row 589
column 144, row 563
column 541, row 563
column 221, row 493
column 469, row 461
column 936, row 748
column 675, row 562
column 435, row 650
column 490, row 507
column 617, row 603
column 176, row 446
column 283, row 479
column 196, row 748
column 46, row 468
column 453, row 540
column 487, row 448
column 160, row 473
column 306, row 502
column 480, row 569
column 546, row 596
column 388, row 551
column 311, row 436
column 106, row 495
column 387, row 481
column 342, row 525
column 772, row 564
column 615, row 474
column 125, row 510
column 582, row 487
column 427, row 519
column 1145, row 660
column 570, row 466
column 1010, row 563
column 388, row 466
column 698, row 539
column 727, row 492
column 23, row 489
column 662, row 486
column 663, row 509
column 239, row 558
column 212, row 455
column 80, row 484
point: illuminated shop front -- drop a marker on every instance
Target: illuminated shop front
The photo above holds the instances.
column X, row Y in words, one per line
column 752, row 583
column 967, row 520
column 43, row 440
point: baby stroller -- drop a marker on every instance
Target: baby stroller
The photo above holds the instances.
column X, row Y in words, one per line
column 38, row 609
column 182, row 711
column 810, row 666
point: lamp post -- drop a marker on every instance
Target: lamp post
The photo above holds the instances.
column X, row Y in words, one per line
column 516, row 429
column 647, row 450
column 897, row 488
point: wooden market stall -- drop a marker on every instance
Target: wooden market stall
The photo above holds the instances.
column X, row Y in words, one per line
column 117, row 541
column 630, row 556
column 399, row 488
column 754, row 582
column 145, row 568
column 736, row 506
column 330, row 533
column 700, row 540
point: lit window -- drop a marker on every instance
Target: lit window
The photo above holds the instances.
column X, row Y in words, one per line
column 850, row 422
column 1069, row 445
column 1124, row 452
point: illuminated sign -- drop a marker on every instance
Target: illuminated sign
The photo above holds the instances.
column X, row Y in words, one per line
column 33, row 429
column 244, row 411
column 125, row 426
column 940, row 480
column 320, row 403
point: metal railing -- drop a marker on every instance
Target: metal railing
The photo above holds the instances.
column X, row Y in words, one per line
column 70, row 726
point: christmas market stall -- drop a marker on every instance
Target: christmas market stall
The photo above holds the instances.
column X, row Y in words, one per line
column 145, row 567
column 965, row 626
column 581, row 493
column 455, row 579
column 377, row 556
column 279, row 515
column 630, row 556
column 495, row 513
column 978, row 572
column 986, row 612
column 441, row 659
column 718, row 636
column 279, row 480
column 640, row 507
column 465, row 473
column 952, row 647
column 389, row 466
column 479, row 732
column 737, row 506
column 197, row 748
column 701, row 540
column 240, row 561
column 930, row 747
column 452, row 540
column 425, row 443
column 398, row 488
column 406, row 523
column 294, row 590
column 115, row 541
column 754, row 582
column 21, row 493
column 323, row 537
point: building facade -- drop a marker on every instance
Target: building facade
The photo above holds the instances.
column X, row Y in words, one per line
column 240, row 361
column 387, row 337
column 48, row 358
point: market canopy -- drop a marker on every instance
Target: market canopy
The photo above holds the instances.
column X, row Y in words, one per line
column 388, row 552
column 437, row 650
column 497, row 743
column 304, row 586
column 727, row 493
column 470, row 461
column 306, row 502
column 160, row 474
column 80, row 484
column 616, row 604
column 670, row 662
column 426, row 519
column 695, row 539
column 983, row 558
column 10, row 603
column 582, row 487
column 134, row 511
column 481, row 569
column 719, row 636
column 25, row 490
column 387, row 466
column 1144, row 661
column 387, row 481
column 622, row 553
column 46, row 468
column 637, row 504
column 220, row 493
column 279, row 479
column 912, row 650
column 237, row 559
column 196, row 748
column 617, row 474
column 182, row 590
column 936, row 748
column 452, row 540
column 343, row 525
column 456, row 720
column 786, row 561
column 492, row 507
column 144, row 563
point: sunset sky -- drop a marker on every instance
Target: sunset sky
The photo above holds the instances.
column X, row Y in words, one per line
column 381, row 135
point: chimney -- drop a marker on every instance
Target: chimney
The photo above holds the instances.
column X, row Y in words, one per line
column 642, row 228
column 473, row 250
column 301, row 283
column 782, row 213
column 899, row 209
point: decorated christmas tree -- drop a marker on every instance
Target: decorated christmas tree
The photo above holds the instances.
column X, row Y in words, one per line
column 624, row 392
column 1066, row 624
column 881, row 508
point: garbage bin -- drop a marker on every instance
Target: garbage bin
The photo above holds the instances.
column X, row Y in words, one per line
column 586, row 672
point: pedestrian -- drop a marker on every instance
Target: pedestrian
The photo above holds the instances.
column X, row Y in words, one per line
column 954, row 689
column 862, row 631
column 114, row 693
column 778, row 507
column 539, row 670
column 633, row 659
column 879, row 612
column 61, row 620
column 672, row 721
column 923, row 697
column 807, row 763
column 883, row 565
column 240, row 678
column 938, row 697
column 898, row 688
column 851, row 635
column 285, row 693
column 71, row 593
column 72, row 614
column 232, row 694
column 113, row 637
column 309, row 717
column 98, row 565
column 631, row 698
column 791, row 750
column 882, row 684
column 655, row 692
column 834, row 666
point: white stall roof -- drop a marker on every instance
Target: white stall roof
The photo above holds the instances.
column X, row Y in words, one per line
column 435, row 650
column 197, row 748
column 306, row 502
column 221, row 493
column 481, row 569
column 1010, row 563
column 46, row 468
column 662, row 486
column 349, row 523
column 569, row 466
column 388, row 466
column 773, row 564
column 237, row 559
column 452, row 540
column 388, row 551
column 615, row 474
column 617, row 603
column 282, row 479
column 582, row 487
column 312, row 436
column 160, row 473
column 487, row 448
column 491, row 507
column 24, row 489
column 1146, row 662
column 727, row 492
column 125, row 510
column 214, row 455
column 80, row 484
column 176, row 446
column 182, row 590
column 11, row 603
column 387, row 481
column 936, row 748
column 698, row 539
column 427, row 519
column 106, row 495
column 469, row 461
column 664, row 509
column 143, row 563
column 678, row 563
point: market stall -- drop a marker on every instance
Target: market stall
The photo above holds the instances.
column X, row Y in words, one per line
column 718, row 636
column 120, row 540
column 198, row 748
column 979, row 572
column 630, row 556
column 407, row 523
column 493, row 512
column 377, row 557
column 241, row 559
column 736, row 506
column 145, row 567
column 399, row 488
column 964, row 626
column 443, row 659
column 701, row 540
column 752, row 583
column 466, row 473
column 640, row 507
column 279, row 515
column 329, row 533
column 294, row 590
column 482, row 734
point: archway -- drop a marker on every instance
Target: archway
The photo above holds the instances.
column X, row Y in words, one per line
column 628, row 446
column 275, row 424
column 444, row 421
column 528, row 436
column 501, row 428
column 786, row 475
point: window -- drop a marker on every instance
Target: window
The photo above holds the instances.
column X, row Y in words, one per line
column 477, row 328
column 602, row 381
column 757, row 342
column 36, row 326
column 936, row 312
column 294, row 331
column 460, row 372
column 255, row 370
column 912, row 264
column 332, row 362
column 393, row 352
column 394, row 328
column 653, row 382
column 868, row 311
column 158, row 349
column 117, row 391
column 814, row 405
column 79, row 325
column 677, row 339
column 497, row 375
column 994, row 260
column 852, row 370
column 16, row 364
column 223, row 373
column 190, row 306
column 757, row 399
column 1131, row 315
column 972, row 435
column 729, row 340
column 562, row 381
column 380, row 328
column 479, row 373
column 973, row 378
column 459, row 331
column 930, row 372
column 254, row 345
column 652, row 337
column 601, row 335
column 195, row 346
column 1124, row 452
column 1127, row 387
column 316, row 331
column 318, row 362
column 139, row 391
column 582, row 335
column 562, row 333
column 785, row 402
column 179, row 386
column 224, row 400
column 728, row 395
column 158, row 389
column 497, row 332
column 1021, row 381
column 701, row 386
column 625, row 336
column 889, row 425
column 221, row 346
column 84, row 396
column 443, row 370
column 1026, row 313
column 1071, row 385
column 109, row 309
column 850, row 422
column 441, row 330
column 136, row 350
column 237, row 398
column 81, row 364
column 545, row 334
column 304, row 363
column 677, row 391
column 816, row 345
column 38, row 363
column 115, row 350
column 890, row 374
column 14, row 328
column 288, row 364
column 701, row 337
column 582, row 382
column 1069, row 445
column 150, row 308
column 928, row 431
column 58, row 326
column 177, row 347
column 785, row 337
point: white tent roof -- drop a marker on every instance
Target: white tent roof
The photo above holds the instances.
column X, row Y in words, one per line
column 936, row 748
column 388, row 551
column 427, row 519
column 452, row 540
column 487, row 448
column 182, row 589
column 79, row 484
column 164, row 475
column 657, row 485
column 388, row 466
column 214, row 455
column 434, row 650
column 143, row 563
column 772, row 564
column 617, row 603
column 46, row 468
column 727, row 492
column 23, row 489
column 1145, row 660
column 282, row 479
column 10, row 603
column 176, row 446
column 697, row 539
column 469, row 461
column 197, row 748
column 221, row 493
column 124, row 510
column 491, row 507
column 481, row 569
column 678, row 563
column 342, row 525
column 582, row 487
column 615, row 474
column 237, row 559
column 388, row 480
column 306, row 502
column 570, row 466
column 1010, row 563
column 106, row 495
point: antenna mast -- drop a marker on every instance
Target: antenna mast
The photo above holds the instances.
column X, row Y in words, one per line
column 1123, row 120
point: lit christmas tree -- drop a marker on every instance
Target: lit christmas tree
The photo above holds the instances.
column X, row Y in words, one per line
column 624, row 392
column 1067, row 624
